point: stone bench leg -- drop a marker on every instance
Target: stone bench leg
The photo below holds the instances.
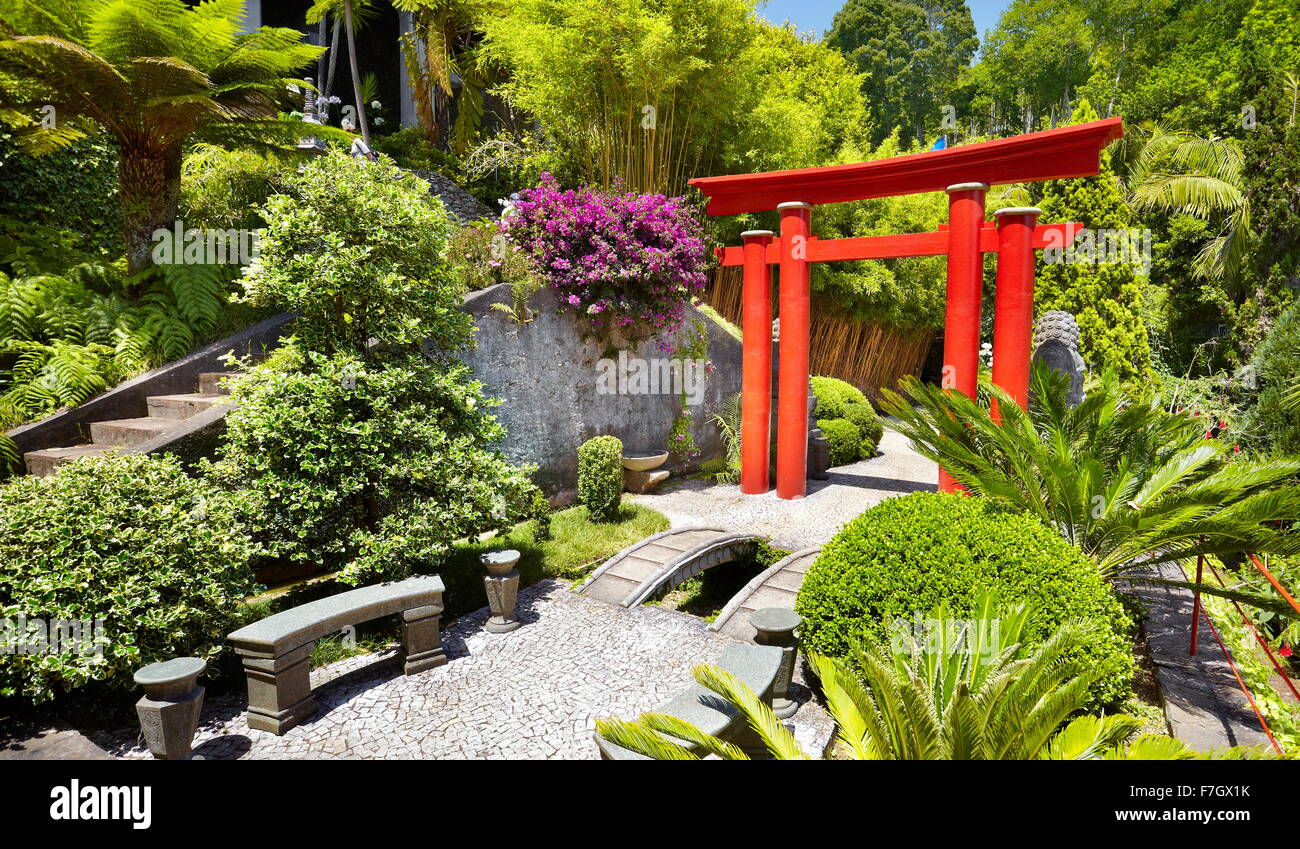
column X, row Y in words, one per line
column 421, row 639
column 279, row 689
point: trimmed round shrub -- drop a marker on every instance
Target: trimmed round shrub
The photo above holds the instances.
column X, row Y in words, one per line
column 832, row 395
column 844, row 437
column 906, row 555
column 131, row 541
column 600, row 476
column 862, row 414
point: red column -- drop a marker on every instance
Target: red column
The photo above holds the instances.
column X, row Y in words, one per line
column 792, row 379
column 961, row 331
column 1013, row 310
column 756, row 380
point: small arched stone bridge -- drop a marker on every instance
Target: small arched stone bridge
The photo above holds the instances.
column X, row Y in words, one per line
column 660, row 562
column 775, row 586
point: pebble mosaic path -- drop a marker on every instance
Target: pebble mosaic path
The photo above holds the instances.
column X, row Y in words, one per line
column 801, row 522
column 530, row 694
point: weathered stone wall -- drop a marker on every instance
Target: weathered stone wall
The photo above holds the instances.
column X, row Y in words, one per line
column 547, row 378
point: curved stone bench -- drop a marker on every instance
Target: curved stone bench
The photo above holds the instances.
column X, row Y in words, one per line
column 276, row 650
column 757, row 666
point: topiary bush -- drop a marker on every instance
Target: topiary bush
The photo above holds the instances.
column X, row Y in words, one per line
column 862, row 414
column 832, row 395
column 131, row 540
column 844, row 437
column 600, row 476
column 907, row 555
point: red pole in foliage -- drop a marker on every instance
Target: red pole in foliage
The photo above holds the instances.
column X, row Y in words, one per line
column 1013, row 310
column 792, row 389
column 756, row 374
column 961, row 329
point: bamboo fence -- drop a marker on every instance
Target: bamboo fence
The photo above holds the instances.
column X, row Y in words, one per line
column 866, row 354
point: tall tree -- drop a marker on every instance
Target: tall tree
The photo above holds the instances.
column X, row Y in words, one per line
column 151, row 76
column 912, row 51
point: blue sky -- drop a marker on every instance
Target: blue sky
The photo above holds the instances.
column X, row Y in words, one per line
column 817, row 14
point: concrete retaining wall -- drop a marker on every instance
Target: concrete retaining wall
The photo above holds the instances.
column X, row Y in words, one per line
column 547, row 378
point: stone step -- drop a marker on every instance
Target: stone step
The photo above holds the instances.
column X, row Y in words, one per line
column 44, row 462
column 211, row 382
column 182, row 406
column 129, row 432
column 611, row 588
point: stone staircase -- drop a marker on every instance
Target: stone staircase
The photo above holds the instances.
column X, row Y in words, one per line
column 166, row 414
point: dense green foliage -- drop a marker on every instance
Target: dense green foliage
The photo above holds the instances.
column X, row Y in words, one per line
column 600, row 476
column 1271, row 421
column 149, row 76
column 1104, row 293
column 70, row 190
column 906, row 556
column 1119, row 475
column 862, row 414
column 161, row 558
column 910, row 53
column 372, row 469
column 363, row 441
column 845, row 440
column 833, row 395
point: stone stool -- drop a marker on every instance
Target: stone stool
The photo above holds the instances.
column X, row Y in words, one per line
column 169, row 711
column 502, row 584
column 776, row 627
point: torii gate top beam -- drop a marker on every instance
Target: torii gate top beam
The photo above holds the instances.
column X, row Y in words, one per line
column 1047, row 155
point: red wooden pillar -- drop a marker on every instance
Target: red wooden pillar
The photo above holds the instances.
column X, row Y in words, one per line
column 792, row 379
column 1013, row 310
column 756, row 375
column 961, row 330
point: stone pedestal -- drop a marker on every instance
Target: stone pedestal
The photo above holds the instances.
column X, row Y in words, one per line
column 775, row 626
column 637, row 471
column 169, row 711
column 502, row 585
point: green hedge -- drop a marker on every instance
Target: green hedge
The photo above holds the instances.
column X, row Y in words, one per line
column 832, row 395
column 600, row 476
column 1271, row 422
column 906, row 555
column 131, row 540
column 864, row 416
column 845, row 440
column 73, row 190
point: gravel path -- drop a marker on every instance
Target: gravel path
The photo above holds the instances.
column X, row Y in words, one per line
column 802, row 522
column 530, row 694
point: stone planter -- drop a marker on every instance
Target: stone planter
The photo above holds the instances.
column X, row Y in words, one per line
column 637, row 471
column 169, row 711
column 502, row 585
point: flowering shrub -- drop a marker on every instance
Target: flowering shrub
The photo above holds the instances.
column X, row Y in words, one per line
column 629, row 262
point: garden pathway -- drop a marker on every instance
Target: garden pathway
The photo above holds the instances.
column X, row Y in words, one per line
column 533, row 693
column 802, row 522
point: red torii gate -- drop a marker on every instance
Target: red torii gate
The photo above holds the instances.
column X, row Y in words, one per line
column 965, row 173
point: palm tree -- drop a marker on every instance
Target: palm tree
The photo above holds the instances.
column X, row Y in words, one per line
column 354, row 13
column 1122, row 478
column 966, row 690
column 1178, row 172
column 151, row 75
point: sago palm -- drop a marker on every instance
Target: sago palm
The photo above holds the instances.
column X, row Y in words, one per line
column 966, row 690
column 150, row 73
column 1120, row 477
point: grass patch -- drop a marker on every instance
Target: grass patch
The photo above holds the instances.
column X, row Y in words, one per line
column 576, row 546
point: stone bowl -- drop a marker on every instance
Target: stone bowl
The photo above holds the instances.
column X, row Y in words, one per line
column 500, row 562
column 644, row 462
